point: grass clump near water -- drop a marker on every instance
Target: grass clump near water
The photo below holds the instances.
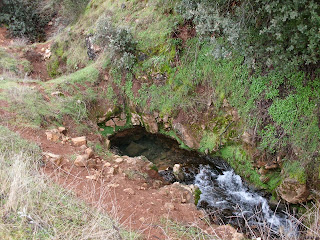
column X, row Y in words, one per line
column 240, row 162
column 32, row 207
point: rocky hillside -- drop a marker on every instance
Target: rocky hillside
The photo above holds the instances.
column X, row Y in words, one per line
column 189, row 70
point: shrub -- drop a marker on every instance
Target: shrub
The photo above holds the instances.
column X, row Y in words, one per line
column 118, row 42
column 284, row 33
column 23, row 19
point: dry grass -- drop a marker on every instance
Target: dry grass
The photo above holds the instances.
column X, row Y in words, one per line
column 32, row 207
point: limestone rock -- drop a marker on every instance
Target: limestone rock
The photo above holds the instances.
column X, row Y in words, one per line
column 107, row 164
column 79, row 141
column 56, row 94
column 293, row 191
column 53, row 135
column 92, row 177
column 150, row 124
column 107, row 144
column 185, row 136
column 81, row 161
column 56, row 159
column 62, row 130
column 178, row 173
column 119, row 160
column 89, row 152
column 129, row 191
column 135, row 119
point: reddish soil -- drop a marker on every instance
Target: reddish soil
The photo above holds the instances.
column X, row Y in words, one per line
column 4, row 40
column 146, row 210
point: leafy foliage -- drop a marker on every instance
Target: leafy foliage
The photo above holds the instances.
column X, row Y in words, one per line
column 23, row 19
column 118, row 41
column 276, row 33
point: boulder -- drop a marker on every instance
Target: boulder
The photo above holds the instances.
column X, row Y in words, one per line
column 293, row 191
column 185, row 136
column 79, row 141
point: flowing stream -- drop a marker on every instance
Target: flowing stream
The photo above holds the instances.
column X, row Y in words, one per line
column 224, row 195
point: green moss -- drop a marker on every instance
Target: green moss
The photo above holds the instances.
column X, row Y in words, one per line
column 173, row 135
column 295, row 170
column 209, row 141
column 197, row 194
column 241, row 163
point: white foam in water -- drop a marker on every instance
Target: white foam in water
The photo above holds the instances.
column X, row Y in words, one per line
column 228, row 190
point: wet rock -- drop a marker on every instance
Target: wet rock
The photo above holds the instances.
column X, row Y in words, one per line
column 129, row 191
column 135, row 149
column 178, row 173
column 79, row 141
column 293, row 191
column 81, row 161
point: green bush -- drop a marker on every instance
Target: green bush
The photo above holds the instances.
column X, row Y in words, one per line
column 276, row 33
column 23, row 19
column 117, row 41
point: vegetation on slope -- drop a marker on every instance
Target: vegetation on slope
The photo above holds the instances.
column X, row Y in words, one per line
column 261, row 58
